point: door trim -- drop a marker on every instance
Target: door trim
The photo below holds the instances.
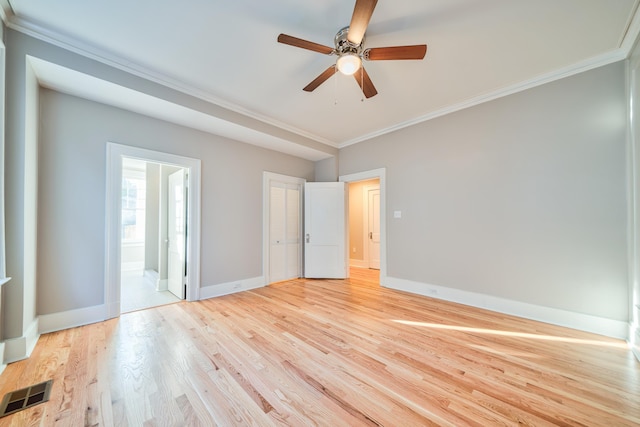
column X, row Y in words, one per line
column 381, row 175
column 267, row 177
column 115, row 152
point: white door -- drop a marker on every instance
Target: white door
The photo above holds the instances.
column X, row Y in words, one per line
column 177, row 207
column 325, row 230
column 284, row 231
column 374, row 228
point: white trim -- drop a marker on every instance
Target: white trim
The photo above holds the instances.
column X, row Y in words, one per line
column 2, row 362
column 632, row 29
column 634, row 340
column 584, row 322
column 21, row 347
column 163, row 285
column 115, row 152
column 633, row 193
column 92, row 52
column 3, row 249
column 72, row 318
column 5, row 13
column 381, row 175
column 231, row 287
column 153, row 278
column 267, row 177
column 586, row 65
column 358, row 263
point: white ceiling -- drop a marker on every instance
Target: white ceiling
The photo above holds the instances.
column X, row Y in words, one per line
column 226, row 52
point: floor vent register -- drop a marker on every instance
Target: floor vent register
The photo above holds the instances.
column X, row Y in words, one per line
column 25, row 398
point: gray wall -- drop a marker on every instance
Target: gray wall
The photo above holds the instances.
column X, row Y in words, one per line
column 74, row 133
column 70, row 271
column 21, row 172
column 522, row 198
column 327, row 170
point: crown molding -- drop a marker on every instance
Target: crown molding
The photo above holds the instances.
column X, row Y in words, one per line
column 5, row 10
column 92, row 52
column 632, row 30
column 627, row 41
column 580, row 67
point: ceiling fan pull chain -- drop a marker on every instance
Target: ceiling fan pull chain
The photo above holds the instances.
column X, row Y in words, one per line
column 362, row 82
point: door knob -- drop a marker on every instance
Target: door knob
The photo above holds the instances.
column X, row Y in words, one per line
column 308, row 239
column 371, row 235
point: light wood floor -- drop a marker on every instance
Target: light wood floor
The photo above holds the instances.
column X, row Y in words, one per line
column 331, row 353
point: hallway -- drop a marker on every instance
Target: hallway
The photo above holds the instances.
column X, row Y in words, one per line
column 138, row 293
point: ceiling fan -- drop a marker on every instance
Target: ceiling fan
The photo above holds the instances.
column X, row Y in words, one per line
column 349, row 47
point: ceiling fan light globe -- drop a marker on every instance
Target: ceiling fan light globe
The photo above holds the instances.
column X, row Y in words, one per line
column 349, row 63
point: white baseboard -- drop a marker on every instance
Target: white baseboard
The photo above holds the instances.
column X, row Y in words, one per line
column 634, row 340
column 72, row 318
column 231, row 287
column 127, row 267
column 2, row 363
column 358, row 263
column 20, row 348
column 163, row 285
column 584, row 322
column 152, row 277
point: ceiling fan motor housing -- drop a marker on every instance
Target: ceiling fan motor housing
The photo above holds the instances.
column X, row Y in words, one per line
column 343, row 45
column 351, row 53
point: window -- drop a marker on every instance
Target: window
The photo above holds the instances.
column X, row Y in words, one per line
column 133, row 205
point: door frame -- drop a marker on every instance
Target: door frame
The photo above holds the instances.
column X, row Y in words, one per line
column 633, row 210
column 267, row 177
column 380, row 174
column 366, row 217
column 115, row 153
column 171, row 216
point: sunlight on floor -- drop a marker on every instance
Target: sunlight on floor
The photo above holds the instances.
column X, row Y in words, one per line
column 620, row 344
column 137, row 293
column 487, row 349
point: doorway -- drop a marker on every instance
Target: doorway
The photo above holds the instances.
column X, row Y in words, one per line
column 282, row 227
column 371, row 220
column 153, row 265
column 364, row 224
column 162, row 164
column 375, row 176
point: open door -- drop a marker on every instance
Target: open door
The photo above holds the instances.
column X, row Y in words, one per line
column 177, row 236
column 325, row 234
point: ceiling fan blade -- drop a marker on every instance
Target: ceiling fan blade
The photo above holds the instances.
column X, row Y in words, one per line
column 304, row 44
column 365, row 83
column 320, row 79
column 396, row 52
column 360, row 20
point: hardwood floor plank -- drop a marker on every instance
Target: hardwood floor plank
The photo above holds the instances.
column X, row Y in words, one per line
column 328, row 353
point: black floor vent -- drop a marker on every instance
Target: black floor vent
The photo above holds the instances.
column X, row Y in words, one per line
column 25, row 398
